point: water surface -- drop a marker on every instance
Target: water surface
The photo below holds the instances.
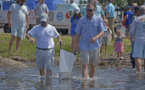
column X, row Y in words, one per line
column 107, row 78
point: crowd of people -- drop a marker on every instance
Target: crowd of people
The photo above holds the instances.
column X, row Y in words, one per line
column 91, row 29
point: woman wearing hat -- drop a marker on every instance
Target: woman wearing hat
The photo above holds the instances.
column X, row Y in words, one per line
column 74, row 19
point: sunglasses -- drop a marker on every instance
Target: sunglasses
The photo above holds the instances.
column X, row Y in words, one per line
column 89, row 10
column 43, row 22
column 23, row 1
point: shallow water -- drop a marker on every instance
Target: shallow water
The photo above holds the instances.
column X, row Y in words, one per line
column 105, row 79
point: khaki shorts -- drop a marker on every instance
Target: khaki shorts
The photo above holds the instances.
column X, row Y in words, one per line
column 17, row 30
column 90, row 57
column 45, row 59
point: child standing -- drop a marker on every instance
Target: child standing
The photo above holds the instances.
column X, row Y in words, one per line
column 118, row 45
column 105, row 37
column 74, row 19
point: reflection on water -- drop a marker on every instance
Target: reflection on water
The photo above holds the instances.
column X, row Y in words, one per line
column 105, row 79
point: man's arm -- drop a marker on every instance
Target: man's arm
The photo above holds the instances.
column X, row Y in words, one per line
column 97, row 37
column 102, row 13
column 108, row 11
column 9, row 18
column 103, row 16
column 59, row 39
column 28, row 36
column 27, row 20
column 36, row 14
column 107, row 15
column 77, row 40
column 132, row 29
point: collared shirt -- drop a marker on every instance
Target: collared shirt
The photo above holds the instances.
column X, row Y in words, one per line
column 18, row 14
column 110, row 9
column 44, row 36
column 73, row 6
column 89, row 29
column 137, row 29
column 41, row 8
column 98, row 11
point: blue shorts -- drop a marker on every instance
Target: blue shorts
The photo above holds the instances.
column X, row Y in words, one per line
column 139, row 50
column 17, row 30
column 45, row 59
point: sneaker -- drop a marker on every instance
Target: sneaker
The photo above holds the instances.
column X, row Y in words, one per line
column 138, row 72
column 121, row 58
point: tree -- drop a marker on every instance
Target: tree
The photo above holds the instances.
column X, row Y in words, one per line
column 123, row 3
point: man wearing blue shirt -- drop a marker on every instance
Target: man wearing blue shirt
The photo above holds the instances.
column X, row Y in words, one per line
column 137, row 32
column 98, row 9
column 110, row 14
column 88, row 32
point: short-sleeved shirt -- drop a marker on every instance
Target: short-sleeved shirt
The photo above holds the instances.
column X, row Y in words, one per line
column 73, row 6
column 98, row 11
column 41, row 8
column 89, row 29
column 128, row 20
column 74, row 24
column 137, row 29
column 44, row 36
column 1, row 2
column 18, row 14
column 110, row 9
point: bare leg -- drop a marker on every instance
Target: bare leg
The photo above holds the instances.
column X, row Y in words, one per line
column 144, row 65
column 117, row 55
column 11, row 42
column 105, row 48
column 49, row 73
column 85, row 84
column 18, row 43
column 138, row 64
column 42, row 72
column 73, row 43
column 85, row 71
column 92, row 70
column 121, row 54
column 101, row 47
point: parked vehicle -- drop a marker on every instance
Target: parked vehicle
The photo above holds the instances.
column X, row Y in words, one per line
column 58, row 18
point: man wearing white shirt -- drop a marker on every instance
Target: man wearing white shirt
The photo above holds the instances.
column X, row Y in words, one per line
column 44, row 34
column 17, row 17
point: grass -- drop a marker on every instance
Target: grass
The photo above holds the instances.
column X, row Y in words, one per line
column 27, row 49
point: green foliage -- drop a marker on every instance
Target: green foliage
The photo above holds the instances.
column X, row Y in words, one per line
column 27, row 50
column 123, row 3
